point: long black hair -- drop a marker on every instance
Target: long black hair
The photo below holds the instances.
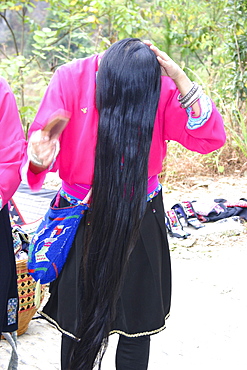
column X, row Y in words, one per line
column 127, row 95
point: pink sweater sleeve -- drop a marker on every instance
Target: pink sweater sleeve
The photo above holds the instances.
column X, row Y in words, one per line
column 12, row 143
column 205, row 139
column 51, row 102
column 172, row 124
column 72, row 88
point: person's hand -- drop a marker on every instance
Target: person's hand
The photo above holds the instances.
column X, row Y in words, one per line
column 171, row 69
column 168, row 66
column 42, row 150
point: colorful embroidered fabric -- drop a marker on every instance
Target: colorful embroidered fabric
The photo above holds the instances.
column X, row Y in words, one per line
column 50, row 245
column 154, row 193
column 206, row 111
column 221, row 209
column 174, row 225
column 185, row 212
column 70, row 198
column 12, row 310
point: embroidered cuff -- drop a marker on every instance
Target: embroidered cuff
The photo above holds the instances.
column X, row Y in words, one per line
column 206, row 111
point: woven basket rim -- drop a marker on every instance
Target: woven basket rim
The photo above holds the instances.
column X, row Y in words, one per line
column 19, row 262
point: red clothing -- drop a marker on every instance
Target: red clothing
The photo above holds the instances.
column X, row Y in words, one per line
column 12, row 143
column 72, row 88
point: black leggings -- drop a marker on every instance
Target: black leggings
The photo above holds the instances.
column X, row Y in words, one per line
column 132, row 353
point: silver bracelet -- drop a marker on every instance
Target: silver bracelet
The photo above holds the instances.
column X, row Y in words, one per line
column 190, row 93
column 193, row 99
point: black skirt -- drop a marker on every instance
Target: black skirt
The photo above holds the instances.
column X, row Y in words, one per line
column 8, row 279
column 145, row 300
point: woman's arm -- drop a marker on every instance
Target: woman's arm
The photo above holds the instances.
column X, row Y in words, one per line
column 171, row 69
column 199, row 126
column 42, row 150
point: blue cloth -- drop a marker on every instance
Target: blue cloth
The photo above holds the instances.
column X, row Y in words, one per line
column 51, row 243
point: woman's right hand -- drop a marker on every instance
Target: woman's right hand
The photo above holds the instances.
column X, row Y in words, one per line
column 168, row 66
column 42, row 150
column 171, row 69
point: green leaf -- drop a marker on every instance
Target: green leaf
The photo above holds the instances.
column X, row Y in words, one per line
column 221, row 169
column 38, row 39
column 129, row 29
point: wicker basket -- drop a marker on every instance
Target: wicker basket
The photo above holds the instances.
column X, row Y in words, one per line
column 26, row 291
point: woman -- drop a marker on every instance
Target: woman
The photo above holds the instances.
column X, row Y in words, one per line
column 12, row 148
column 117, row 276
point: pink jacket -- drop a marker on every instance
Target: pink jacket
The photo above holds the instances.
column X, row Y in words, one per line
column 72, row 88
column 12, row 143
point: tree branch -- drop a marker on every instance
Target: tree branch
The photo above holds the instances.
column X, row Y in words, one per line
column 6, row 56
column 28, row 62
column 12, row 32
column 201, row 61
column 66, row 33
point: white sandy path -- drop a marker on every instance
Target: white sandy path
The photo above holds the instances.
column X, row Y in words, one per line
column 207, row 327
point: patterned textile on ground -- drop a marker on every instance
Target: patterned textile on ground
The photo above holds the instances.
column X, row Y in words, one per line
column 196, row 213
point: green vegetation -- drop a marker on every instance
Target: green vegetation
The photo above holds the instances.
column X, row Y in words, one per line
column 207, row 38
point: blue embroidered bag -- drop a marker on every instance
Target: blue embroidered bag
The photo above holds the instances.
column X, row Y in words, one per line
column 51, row 243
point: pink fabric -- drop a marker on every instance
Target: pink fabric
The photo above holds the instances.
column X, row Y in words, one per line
column 153, row 182
column 73, row 88
column 80, row 190
column 12, row 143
column 76, row 190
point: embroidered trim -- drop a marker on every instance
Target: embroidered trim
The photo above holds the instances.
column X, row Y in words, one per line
column 154, row 193
column 70, row 198
column 75, row 201
column 206, row 111
column 140, row 334
column 52, row 321
column 12, row 310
